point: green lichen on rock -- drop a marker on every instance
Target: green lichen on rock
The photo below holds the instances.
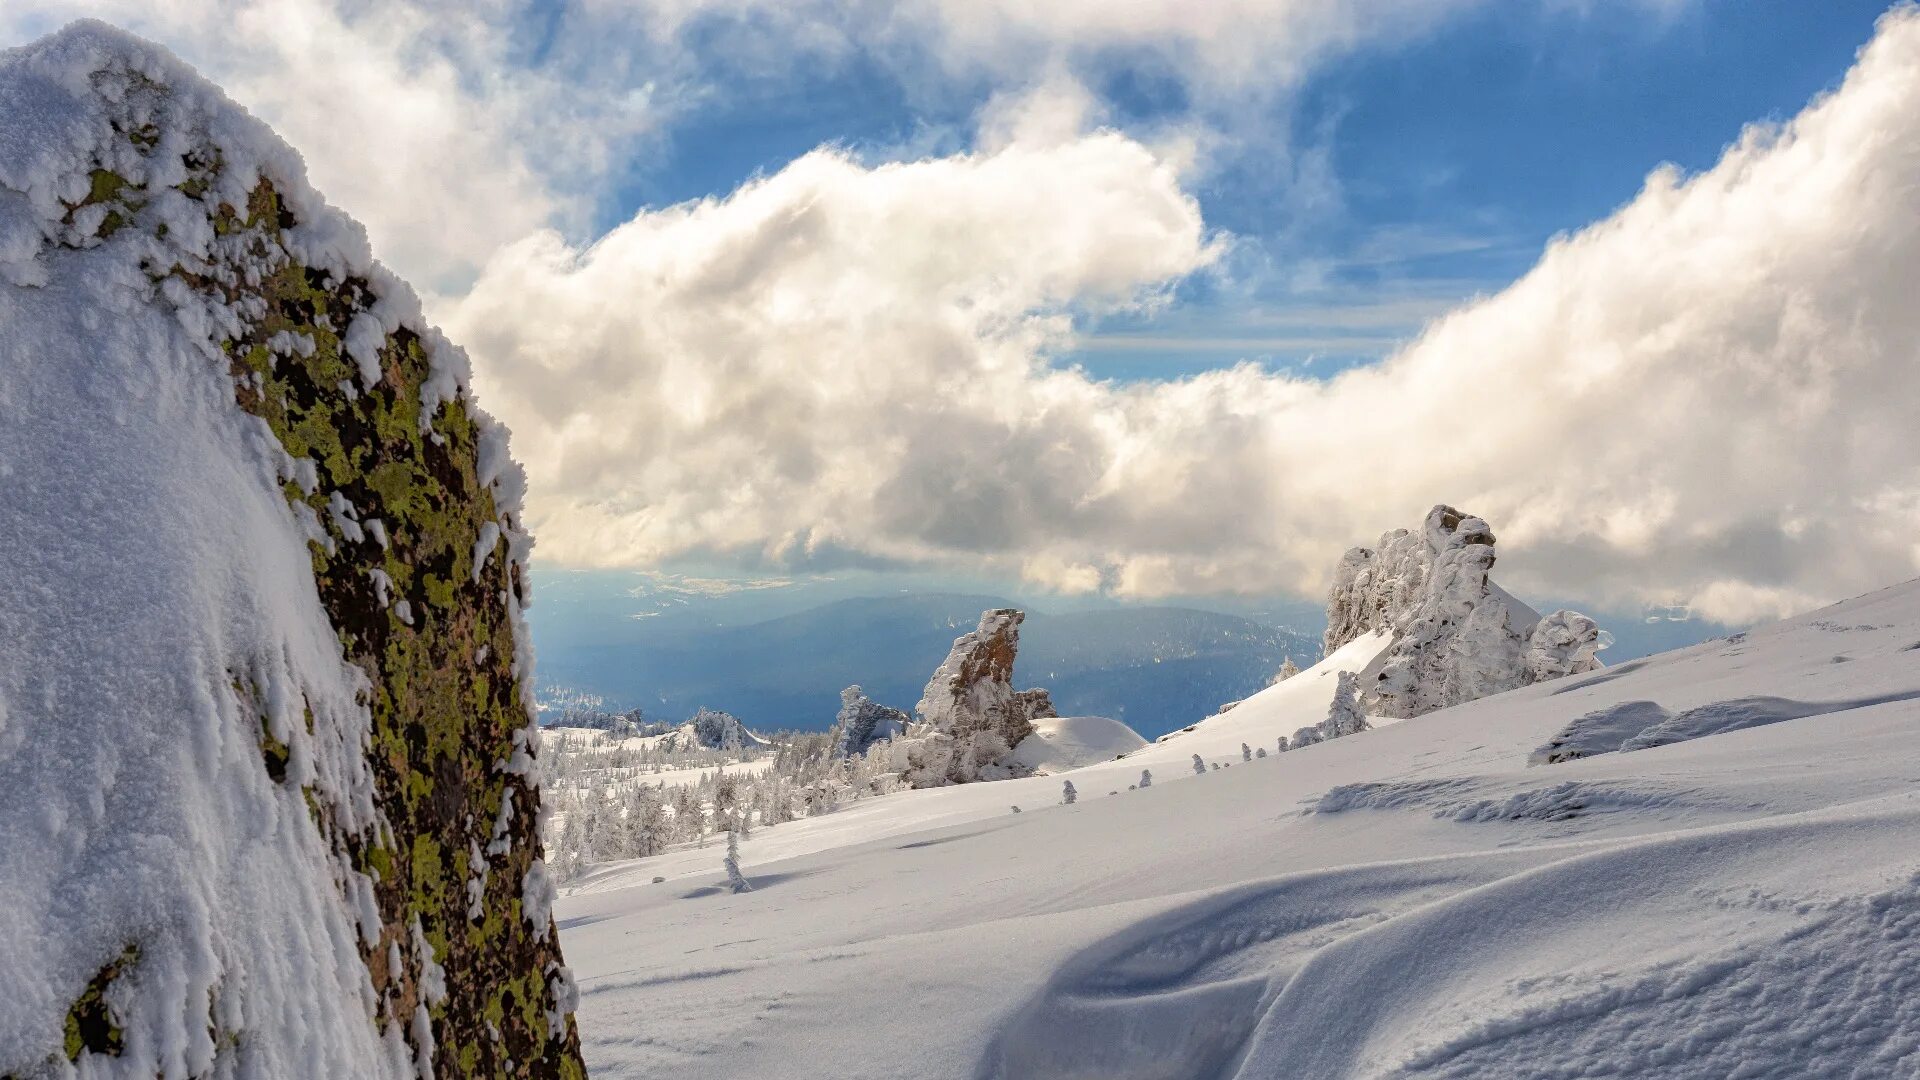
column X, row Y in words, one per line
column 91, row 1028
column 431, row 630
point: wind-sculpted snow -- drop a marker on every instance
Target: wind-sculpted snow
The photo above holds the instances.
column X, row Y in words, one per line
column 1639, row 725
column 1642, row 957
column 1479, row 799
column 1407, row 901
column 1740, row 714
column 1599, row 732
column 1178, row 995
column 1354, row 972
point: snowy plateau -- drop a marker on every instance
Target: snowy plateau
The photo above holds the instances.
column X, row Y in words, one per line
column 1736, row 897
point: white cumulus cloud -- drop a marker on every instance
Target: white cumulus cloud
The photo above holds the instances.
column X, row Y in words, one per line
column 1707, row 398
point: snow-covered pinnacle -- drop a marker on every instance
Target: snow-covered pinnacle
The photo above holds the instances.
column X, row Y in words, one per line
column 1457, row 635
column 863, row 722
column 265, row 682
column 970, row 716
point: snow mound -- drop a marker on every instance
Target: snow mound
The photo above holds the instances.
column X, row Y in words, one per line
column 267, row 802
column 1070, row 742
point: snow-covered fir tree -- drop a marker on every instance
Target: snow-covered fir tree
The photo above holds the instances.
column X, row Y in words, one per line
column 735, row 878
column 1343, row 714
column 1199, row 767
column 1246, row 752
column 1146, row 778
column 1067, row 794
column 1288, row 669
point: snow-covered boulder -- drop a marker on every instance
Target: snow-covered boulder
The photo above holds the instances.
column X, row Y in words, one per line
column 970, row 716
column 862, row 722
column 1059, row 743
column 268, row 797
column 1457, row 635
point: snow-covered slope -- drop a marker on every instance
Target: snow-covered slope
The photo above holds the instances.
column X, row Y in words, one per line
column 263, row 723
column 1415, row 900
column 1060, row 743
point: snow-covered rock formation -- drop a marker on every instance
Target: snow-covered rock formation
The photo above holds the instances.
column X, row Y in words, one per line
column 268, row 795
column 970, row 716
column 863, row 722
column 1457, row 635
column 710, row 729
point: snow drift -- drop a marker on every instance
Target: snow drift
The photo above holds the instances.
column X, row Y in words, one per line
column 267, row 805
column 1059, row 743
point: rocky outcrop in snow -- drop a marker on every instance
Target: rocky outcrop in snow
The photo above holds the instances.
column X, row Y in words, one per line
column 711, row 729
column 970, row 716
column 863, row 722
column 268, row 777
column 1457, row 635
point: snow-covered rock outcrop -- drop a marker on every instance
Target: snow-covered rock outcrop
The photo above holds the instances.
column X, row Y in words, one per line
column 267, row 785
column 1457, row 635
column 970, row 716
column 863, row 722
column 710, row 729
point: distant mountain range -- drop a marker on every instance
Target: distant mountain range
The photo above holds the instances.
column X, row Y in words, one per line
column 1156, row 668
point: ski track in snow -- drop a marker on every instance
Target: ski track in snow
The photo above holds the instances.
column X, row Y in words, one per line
column 1421, row 900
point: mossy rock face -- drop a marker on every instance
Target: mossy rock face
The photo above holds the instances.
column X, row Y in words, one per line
column 91, row 1028
column 425, row 606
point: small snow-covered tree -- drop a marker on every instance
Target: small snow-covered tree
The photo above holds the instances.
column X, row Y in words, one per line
column 1146, row 778
column 1016, row 809
column 1262, row 752
column 1199, row 767
column 1067, row 794
column 734, row 877
column 1280, row 745
column 1246, row 752
column 1343, row 714
column 1288, row 669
